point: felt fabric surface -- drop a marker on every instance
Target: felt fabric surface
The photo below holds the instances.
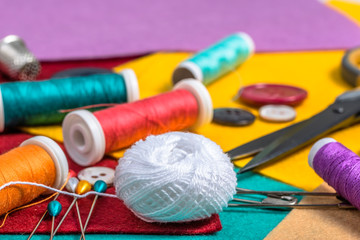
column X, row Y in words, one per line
column 119, row 220
column 350, row 9
column 313, row 71
column 89, row 29
column 319, row 223
column 129, row 223
column 243, row 223
column 239, row 223
column 50, row 68
column 249, row 223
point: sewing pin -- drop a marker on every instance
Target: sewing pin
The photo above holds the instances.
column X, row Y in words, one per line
column 41, row 219
column 68, row 184
column 54, row 209
column 100, row 186
column 81, row 187
column 71, row 187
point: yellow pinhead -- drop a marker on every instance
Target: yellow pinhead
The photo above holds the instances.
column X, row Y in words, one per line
column 83, row 187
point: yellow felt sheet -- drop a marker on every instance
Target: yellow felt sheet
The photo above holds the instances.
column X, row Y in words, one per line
column 317, row 72
column 350, row 9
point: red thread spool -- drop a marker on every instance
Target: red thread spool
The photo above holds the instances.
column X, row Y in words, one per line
column 88, row 136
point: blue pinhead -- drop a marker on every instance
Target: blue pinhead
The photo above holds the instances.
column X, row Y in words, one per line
column 54, row 208
column 100, row 186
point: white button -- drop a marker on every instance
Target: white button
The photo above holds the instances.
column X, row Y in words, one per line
column 277, row 113
column 92, row 174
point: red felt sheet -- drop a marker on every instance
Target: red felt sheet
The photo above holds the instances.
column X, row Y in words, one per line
column 110, row 214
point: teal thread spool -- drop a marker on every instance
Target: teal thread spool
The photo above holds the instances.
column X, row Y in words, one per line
column 217, row 60
column 39, row 103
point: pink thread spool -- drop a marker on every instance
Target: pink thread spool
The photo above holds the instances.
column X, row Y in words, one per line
column 339, row 167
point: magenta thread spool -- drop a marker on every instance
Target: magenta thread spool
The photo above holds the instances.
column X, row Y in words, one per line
column 339, row 167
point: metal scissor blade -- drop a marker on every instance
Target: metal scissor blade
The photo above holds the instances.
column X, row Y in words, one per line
column 336, row 116
column 257, row 145
column 285, row 199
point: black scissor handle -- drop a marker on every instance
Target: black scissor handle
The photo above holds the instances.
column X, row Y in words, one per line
column 350, row 66
column 349, row 96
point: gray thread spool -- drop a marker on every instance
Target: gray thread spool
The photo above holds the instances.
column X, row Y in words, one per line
column 16, row 60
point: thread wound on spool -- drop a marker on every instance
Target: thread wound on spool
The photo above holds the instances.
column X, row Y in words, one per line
column 38, row 160
column 83, row 137
column 189, row 104
column 125, row 124
column 131, row 83
column 340, row 168
column 316, row 147
column 15, row 165
column 57, row 156
column 203, row 99
column 39, row 103
column 217, row 60
column 175, row 177
column 2, row 119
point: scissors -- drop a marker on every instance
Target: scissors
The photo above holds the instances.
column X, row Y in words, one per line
column 285, row 199
column 344, row 112
column 350, row 66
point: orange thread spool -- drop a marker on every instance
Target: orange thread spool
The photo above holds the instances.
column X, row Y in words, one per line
column 38, row 160
column 88, row 136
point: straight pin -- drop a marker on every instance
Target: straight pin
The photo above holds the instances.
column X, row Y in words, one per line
column 71, row 173
column 71, row 187
column 81, row 187
column 100, row 186
column 54, row 209
column 39, row 222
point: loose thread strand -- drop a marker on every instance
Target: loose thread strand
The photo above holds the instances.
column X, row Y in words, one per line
column 57, row 190
column 32, row 204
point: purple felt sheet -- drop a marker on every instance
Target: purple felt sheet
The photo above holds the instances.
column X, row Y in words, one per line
column 56, row 30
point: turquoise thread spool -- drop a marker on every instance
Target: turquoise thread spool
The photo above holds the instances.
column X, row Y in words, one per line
column 39, row 103
column 217, row 60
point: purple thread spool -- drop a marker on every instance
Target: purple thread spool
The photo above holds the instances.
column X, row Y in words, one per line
column 339, row 167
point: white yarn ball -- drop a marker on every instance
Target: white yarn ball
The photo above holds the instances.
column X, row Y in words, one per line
column 175, row 177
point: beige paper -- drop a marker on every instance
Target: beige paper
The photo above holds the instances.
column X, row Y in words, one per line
column 328, row 223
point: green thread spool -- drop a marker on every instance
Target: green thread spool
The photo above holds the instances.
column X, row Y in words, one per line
column 217, row 60
column 39, row 103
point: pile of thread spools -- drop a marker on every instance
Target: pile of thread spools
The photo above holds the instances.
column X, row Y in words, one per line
column 166, row 175
column 101, row 113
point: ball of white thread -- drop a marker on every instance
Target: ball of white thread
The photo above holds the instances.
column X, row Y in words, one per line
column 175, row 177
